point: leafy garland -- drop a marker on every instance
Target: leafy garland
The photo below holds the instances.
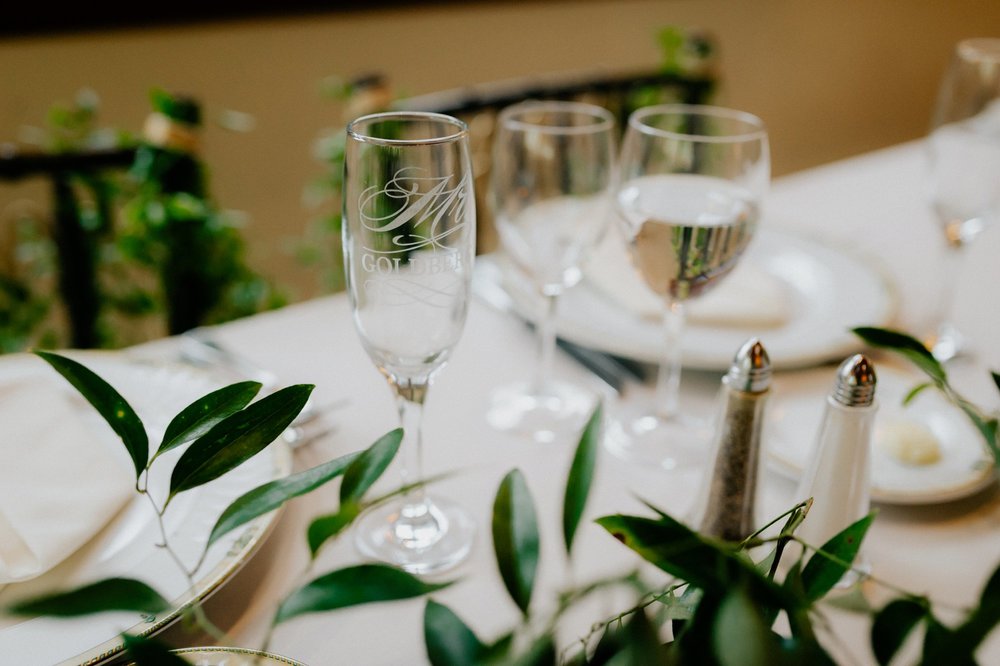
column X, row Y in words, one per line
column 159, row 245
column 722, row 602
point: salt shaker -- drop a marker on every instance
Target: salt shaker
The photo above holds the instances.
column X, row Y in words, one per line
column 838, row 476
column 727, row 507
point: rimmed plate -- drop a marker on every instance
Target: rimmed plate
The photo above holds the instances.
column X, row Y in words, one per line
column 225, row 656
column 964, row 467
column 127, row 545
column 809, row 295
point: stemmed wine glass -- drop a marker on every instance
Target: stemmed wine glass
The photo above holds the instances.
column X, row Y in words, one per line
column 409, row 244
column 964, row 160
column 551, row 183
column 692, row 180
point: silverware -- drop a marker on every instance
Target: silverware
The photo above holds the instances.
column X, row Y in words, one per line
column 199, row 348
column 612, row 370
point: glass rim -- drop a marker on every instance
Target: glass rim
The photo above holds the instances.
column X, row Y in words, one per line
column 754, row 131
column 605, row 119
column 980, row 49
column 460, row 129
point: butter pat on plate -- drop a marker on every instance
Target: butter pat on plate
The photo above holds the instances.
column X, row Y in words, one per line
column 908, row 442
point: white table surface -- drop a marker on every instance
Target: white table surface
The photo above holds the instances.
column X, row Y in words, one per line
column 871, row 203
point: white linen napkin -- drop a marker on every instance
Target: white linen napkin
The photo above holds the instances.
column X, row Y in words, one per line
column 748, row 298
column 62, row 479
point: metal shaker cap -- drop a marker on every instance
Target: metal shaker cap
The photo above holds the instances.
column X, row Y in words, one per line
column 856, row 381
column 751, row 368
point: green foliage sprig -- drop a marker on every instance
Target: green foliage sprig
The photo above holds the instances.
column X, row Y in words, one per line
column 221, row 431
column 124, row 247
column 914, row 351
column 722, row 603
column 722, row 600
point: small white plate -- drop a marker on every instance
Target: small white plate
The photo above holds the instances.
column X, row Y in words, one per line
column 825, row 292
column 965, row 467
column 127, row 545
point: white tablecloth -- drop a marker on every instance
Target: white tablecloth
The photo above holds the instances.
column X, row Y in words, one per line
column 871, row 203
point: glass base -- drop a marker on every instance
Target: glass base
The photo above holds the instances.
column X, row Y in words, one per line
column 422, row 538
column 947, row 343
column 558, row 413
column 679, row 442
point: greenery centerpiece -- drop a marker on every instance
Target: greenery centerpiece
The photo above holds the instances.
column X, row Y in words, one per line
column 134, row 237
column 720, row 602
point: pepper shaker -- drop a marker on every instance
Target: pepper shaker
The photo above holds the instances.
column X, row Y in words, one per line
column 838, row 476
column 727, row 507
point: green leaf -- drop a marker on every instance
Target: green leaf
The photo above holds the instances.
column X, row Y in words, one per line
column 237, row 438
column 369, row 466
column 991, row 591
column 907, row 346
column 795, row 518
column 637, row 642
column 449, row 641
column 515, row 538
column 541, row 652
column 268, row 497
column 996, row 379
column 109, row 404
column 942, row 647
column 148, row 652
column 352, row 586
column 198, row 418
column 982, row 620
column 711, row 565
column 110, row 594
column 739, row 635
column 822, row 573
column 326, row 527
column 893, row 624
column 987, row 426
column 581, row 473
column 915, row 391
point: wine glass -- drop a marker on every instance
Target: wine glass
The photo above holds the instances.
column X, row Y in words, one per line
column 551, row 183
column 964, row 166
column 409, row 243
column 692, row 180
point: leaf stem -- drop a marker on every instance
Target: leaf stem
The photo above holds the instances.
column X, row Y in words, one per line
column 646, row 600
column 195, row 609
column 879, row 581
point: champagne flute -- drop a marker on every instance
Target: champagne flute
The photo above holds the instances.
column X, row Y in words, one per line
column 409, row 244
column 551, row 180
column 692, row 180
column 964, row 160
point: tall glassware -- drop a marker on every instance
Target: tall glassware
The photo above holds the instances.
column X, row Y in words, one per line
column 692, row 180
column 409, row 244
column 551, row 180
column 964, row 160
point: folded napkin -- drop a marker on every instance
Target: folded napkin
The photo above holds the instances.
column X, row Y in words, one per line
column 748, row 298
column 63, row 476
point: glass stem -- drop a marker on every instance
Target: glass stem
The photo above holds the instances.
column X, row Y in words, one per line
column 949, row 283
column 546, row 344
column 410, row 396
column 668, row 380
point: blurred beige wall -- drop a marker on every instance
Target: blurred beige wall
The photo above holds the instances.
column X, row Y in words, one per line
column 831, row 79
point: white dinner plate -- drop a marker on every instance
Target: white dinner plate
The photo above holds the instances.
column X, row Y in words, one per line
column 126, row 546
column 964, row 468
column 809, row 295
